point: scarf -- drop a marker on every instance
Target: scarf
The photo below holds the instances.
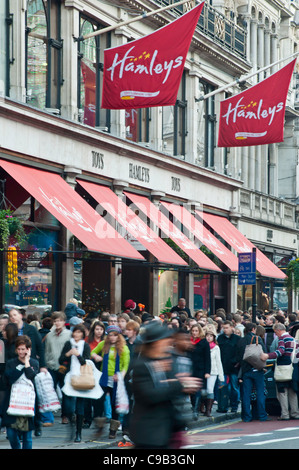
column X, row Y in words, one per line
column 104, row 376
column 195, row 341
column 212, row 344
column 75, row 364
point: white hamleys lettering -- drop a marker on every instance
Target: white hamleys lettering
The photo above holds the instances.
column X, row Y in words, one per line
column 254, row 110
column 129, row 64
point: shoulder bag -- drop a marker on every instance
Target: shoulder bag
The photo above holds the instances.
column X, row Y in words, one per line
column 284, row 373
column 252, row 354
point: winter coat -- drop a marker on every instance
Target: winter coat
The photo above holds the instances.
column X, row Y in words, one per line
column 153, row 419
column 13, row 372
column 201, row 359
column 228, row 345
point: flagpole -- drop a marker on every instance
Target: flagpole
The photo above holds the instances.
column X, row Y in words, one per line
column 246, row 77
column 137, row 18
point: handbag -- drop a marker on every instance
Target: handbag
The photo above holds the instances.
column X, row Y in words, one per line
column 85, row 380
column 46, row 394
column 252, row 354
column 22, row 398
column 284, row 373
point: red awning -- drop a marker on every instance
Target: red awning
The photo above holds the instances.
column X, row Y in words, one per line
column 132, row 223
column 241, row 244
column 203, row 235
column 52, row 192
column 171, row 231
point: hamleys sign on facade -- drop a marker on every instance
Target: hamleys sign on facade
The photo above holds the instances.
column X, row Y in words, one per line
column 147, row 72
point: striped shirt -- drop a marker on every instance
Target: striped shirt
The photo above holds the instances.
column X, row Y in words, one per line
column 285, row 347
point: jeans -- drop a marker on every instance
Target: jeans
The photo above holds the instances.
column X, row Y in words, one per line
column 13, row 435
column 256, row 378
column 74, row 405
column 234, row 391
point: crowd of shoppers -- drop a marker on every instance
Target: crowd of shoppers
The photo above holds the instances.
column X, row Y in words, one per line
column 166, row 361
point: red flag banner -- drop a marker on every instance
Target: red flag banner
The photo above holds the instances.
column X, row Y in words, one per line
column 256, row 116
column 147, row 72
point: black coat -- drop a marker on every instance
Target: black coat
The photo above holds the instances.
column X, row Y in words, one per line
column 12, row 373
column 37, row 349
column 153, row 419
column 66, row 361
column 228, row 347
column 200, row 356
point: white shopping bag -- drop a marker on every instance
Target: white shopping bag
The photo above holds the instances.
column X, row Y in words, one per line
column 46, row 394
column 22, row 398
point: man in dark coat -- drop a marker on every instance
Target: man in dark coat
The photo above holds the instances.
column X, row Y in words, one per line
column 227, row 342
column 251, row 377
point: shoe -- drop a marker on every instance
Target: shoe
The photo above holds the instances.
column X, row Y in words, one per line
column 86, row 425
column 78, row 437
column 267, row 419
column 283, row 419
column 38, row 432
column 114, row 425
column 64, row 420
column 293, row 417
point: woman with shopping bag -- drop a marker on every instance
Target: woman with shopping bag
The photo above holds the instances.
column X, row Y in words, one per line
column 74, row 355
column 114, row 356
column 20, row 395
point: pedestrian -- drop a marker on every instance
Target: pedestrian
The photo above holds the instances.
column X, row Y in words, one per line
column 201, row 367
column 54, row 344
column 251, row 378
column 153, row 421
column 122, row 320
column 9, row 337
column 132, row 330
column 181, row 306
column 269, row 332
column 74, row 354
column 227, row 342
column 72, row 310
column 19, row 428
column 286, row 393
column 4, row 319
column 114, row 356
column 95, row 336
column 37, row 352
column 47, row 324
column 216, row 368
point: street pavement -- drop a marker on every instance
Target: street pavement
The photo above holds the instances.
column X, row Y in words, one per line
column 61, row 436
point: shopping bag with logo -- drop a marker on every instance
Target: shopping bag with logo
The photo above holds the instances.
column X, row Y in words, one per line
column 46, row 394
column 22, row 398
column 253, row 353
column 121, row 399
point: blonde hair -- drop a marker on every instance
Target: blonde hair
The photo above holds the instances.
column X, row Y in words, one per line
column 200, row 329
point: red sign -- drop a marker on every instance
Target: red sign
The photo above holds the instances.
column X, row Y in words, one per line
column 147, row 72
column 256, row 116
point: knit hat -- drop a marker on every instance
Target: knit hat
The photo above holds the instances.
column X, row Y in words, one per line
column 113, row 328
column 75, row 321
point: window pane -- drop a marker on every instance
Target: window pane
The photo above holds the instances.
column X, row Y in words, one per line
column 37, row 54
column 3, row 49
column 168, row 129
column 88, row 75
column 201, row 127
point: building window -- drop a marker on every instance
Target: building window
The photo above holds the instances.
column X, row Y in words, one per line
column 206, row 120
column 137, row 124
column 174, row 123
column 90, row 73
column 43, row 53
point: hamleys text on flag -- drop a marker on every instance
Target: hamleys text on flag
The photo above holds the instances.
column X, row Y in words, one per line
column 256, row 116
column 147, row 72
